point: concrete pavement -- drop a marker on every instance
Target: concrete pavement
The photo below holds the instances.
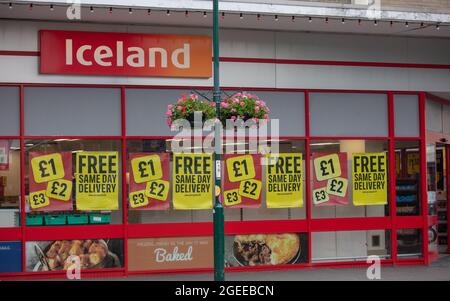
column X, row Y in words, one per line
column 437, row 271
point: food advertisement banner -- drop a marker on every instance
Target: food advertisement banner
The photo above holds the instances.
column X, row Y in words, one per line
column 170, row 253
column 149, row 181
column 59, row 254
column 4, row 154
column 97, row 181
column 330, row 181
column 50, row 181
column 266, row 249
column 369, row 175
column 192, row 181
column 284, row 180
column 242, row 182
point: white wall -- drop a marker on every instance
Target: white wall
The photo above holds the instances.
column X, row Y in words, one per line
column 23, row 36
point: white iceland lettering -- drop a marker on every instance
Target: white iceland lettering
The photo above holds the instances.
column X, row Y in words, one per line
column 106, row 56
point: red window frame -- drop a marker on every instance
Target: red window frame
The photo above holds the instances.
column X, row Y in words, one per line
column 309, row 225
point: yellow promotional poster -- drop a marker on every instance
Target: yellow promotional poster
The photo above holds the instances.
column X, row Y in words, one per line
column 97, row 181
column 50, row 181
column 284, row 180
column 192, row 181
column 369, row 175
column 413, row 163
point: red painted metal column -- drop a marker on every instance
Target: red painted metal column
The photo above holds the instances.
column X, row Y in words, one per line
column 124, row 180
column 423, row 176
column 22, row 177
column 392, row 177
column 447, row 175
column 307, row 178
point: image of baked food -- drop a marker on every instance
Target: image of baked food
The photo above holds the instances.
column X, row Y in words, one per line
column 266, row 249
column 57, row 255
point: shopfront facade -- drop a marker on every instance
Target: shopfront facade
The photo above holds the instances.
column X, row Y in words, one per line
column 337, row 94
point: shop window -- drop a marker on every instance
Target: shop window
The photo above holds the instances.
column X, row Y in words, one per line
column 270, row 209
column 407, row 170
column 65, row 111
column 156, row 154
column 350, row 245
column 145, row 109
column 409, row 243
column 348, row 114
column 56, row 255
column 154, row 209
column 9, row 111
column 406, row 115
column 73, row 182
column 334, row 194
column 10, row 183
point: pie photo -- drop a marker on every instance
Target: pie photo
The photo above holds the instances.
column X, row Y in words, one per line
column 266, row 249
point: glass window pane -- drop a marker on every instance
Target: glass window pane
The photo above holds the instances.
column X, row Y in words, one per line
column 10, row 183
column 350, row 245
column 72, row 111
column 343, row 206
column 9, row 111
column 409, row 243
column 406, row 115
column 407, row 169
column 55, row 193
column 348, row 114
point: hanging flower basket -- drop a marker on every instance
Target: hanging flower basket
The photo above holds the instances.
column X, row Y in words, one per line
column 243, row 106
column 186, row 106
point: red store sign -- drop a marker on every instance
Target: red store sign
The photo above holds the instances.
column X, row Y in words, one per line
column 125, row 54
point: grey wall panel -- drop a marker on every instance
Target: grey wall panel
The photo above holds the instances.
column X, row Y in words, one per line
column 146, row 111
column 72, row 111
column 9, row 111
column 289, row 108
column 406, row 115
column 348, row 114
column 433, row 115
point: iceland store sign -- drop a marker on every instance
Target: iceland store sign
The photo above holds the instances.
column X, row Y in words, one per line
column 125, row 54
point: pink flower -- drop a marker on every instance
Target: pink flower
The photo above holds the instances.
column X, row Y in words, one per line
column 235, row 100
column 257, row 102
column 242, row 103
column 213, row 104
column 168, row 113
column 233, row 118
column 180, row 101
column 169, row 107
column 224, row 105
column 233, row 110
column 257, row 108
column 169, row 121
column 193, row 96
column 180, row 108
column 266, row 116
